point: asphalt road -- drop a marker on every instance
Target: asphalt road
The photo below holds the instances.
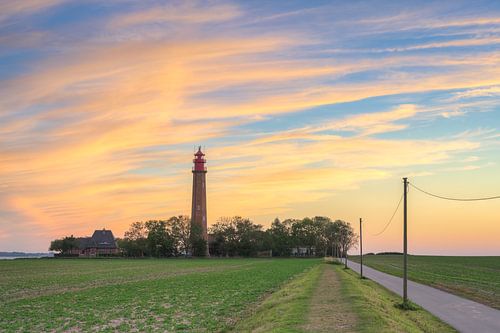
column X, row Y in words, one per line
column 462, row 314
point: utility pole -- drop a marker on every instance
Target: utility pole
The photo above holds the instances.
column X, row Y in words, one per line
column 345, row 256
column 405, row 242
column 361, row 244
column 333, row 256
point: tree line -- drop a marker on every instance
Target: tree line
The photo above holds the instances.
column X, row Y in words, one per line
column 157, row 238
column 235, row 237
column 317, row 236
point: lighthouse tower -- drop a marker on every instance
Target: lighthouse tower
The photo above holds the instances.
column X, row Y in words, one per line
column 199, row 204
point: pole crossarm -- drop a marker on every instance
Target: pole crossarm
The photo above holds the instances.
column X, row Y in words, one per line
column 453, row 199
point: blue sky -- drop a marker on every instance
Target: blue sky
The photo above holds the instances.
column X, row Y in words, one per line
column 304, row 108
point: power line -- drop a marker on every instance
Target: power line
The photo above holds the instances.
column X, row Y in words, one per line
column 392, row 217
column 454, row 199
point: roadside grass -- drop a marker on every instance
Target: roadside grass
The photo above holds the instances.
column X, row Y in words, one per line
column 475, row 278
column 285, row 311
column 377, row 308
column 124, row 295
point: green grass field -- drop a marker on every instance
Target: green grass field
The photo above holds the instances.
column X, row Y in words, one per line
column 476, row 278
column 136, row 295
column 211, row 295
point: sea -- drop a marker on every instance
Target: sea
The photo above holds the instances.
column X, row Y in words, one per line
column 25, row 257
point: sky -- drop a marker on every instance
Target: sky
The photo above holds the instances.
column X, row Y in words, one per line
column 303, row 108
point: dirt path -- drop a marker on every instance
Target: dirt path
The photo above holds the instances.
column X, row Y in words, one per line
column 329, row 311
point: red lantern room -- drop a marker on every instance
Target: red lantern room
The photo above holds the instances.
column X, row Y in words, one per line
column 199, row 161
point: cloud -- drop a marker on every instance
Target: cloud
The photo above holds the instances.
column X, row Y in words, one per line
column 472, row 21
column 434, row 18
column 372, row 123
column 419, row 174
column 475, row 133
column 363, row 124
column 186, row 12
column 479, row 92
column 454, row 113
column 452, row 43
column 279, row 174
column 468, row 42
column 12, row 9
column 471, row 159
column 469, row 167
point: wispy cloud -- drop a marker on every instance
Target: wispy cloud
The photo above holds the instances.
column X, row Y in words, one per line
column 14, row 9
column 469, row 167
column 187, row 12
column 479, row 92
column 468, row 42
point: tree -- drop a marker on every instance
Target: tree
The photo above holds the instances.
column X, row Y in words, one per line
column 225, row 241
column 180, row 229
column 56, row 245
column 197, row 242
column 69, row 243
column 304, row 234
column 160, row 242
column 347, row 238
column 137, row 231
column 64, row 245
column 332, row 234
column 219, row 241
column 231, row 236
column 280, row 238
column 135, row 243
column 237, row 236
column 248, row 236
column 320, row 225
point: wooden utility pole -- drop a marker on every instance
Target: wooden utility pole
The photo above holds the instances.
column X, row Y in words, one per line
column 405, row 242
column 361, row 244
column 345, row 256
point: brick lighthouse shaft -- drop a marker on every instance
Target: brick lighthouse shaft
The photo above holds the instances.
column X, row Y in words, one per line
column 199, row 203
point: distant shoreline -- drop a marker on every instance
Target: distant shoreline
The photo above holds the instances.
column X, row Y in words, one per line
column 23, row 255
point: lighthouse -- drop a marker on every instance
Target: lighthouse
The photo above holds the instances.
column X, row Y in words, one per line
column 199, row 203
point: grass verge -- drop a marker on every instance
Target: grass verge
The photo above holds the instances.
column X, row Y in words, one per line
column 377, row 308
column 285, row 311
